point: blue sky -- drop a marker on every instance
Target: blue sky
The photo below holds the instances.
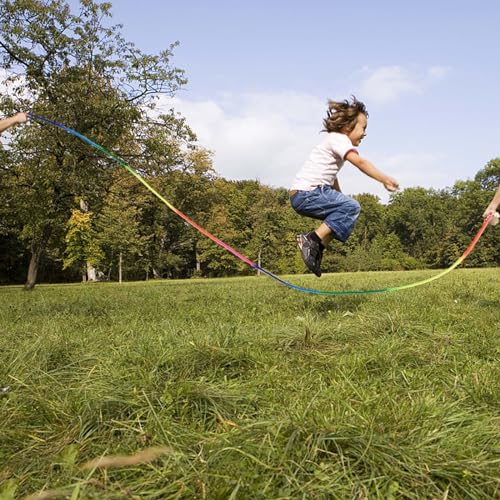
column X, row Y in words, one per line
column 260, row 74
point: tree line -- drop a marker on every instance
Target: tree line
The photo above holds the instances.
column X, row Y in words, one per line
column 69, row 213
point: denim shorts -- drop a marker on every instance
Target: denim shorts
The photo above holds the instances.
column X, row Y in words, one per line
column 338, row 211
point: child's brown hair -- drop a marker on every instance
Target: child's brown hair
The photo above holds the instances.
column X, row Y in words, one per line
column 342, row 116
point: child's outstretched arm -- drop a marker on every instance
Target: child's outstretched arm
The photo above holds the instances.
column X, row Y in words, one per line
column 13, row 120
column 368, row 168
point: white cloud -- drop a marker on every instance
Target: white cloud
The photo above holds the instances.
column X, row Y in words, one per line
column 438, row 72
column 420, row 169
column 255, row 136
column 387, row 84
column 390, row 83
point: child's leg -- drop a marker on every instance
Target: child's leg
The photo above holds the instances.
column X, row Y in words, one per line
column 310, row 244
column 338, row 212
column 324, row 233
column 341, row 213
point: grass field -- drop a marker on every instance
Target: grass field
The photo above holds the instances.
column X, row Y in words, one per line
column 240, row 388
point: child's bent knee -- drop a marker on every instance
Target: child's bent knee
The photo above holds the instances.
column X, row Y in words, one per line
column 355, row 207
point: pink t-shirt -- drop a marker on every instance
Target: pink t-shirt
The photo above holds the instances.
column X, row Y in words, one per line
column 324, row 162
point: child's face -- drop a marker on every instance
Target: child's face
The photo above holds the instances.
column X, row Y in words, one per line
column 359, row 131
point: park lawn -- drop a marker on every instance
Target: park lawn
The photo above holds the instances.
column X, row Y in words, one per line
column 241, row 388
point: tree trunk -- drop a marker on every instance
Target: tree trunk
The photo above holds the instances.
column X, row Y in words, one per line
column 157, row 272
column 120, row 262
column 37, row 249
column 259, row 261
column 112, row 258
column 91, row 273
column 197, row 257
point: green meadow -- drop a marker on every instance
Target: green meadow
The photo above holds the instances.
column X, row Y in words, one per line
column 241, row 389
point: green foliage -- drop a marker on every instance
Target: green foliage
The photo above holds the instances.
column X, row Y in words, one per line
column 117, row 228
column 419, row 217
column 418, row 229
column 80, row 71
column 216, row 260
column 472, row 197
column 371, row 221
column 488, row 178
column 78, row 239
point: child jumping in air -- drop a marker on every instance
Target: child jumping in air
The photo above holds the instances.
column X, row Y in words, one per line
column 315, row 191
column 12, row 120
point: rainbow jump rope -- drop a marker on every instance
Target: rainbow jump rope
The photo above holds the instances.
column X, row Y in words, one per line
column 246, row 260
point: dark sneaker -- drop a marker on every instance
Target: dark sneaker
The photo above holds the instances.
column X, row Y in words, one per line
column 311, row 253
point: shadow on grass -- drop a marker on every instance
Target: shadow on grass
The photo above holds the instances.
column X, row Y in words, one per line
column 340, row 304
column 494, row 304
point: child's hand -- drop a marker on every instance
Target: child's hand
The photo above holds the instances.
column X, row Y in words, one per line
column 20, row 117
column 488, row 211
column 391, row 184
column 491, row 212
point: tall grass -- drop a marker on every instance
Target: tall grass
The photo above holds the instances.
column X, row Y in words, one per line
column 240, row 388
